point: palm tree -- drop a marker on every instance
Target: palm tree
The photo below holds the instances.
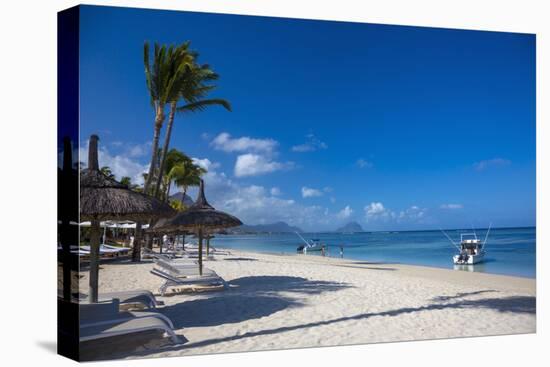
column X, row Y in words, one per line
column 125, row 180
column 177, row 205
column 185, row 175
column 163, row 79
column 173, row 158
column 106, row 170
column 194, row 89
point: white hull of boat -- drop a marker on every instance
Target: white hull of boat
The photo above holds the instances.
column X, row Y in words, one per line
column 472, row 259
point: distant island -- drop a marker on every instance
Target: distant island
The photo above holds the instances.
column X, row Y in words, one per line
column 278, row 227
column 351, row 227
column 178, row 195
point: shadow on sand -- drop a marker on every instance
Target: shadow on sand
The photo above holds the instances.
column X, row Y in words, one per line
column 461, row 295
column 240, row 259
column 254, row 297
column 368, row 267
column 516, row 304
column 262, row 299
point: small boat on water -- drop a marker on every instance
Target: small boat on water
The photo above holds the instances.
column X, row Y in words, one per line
column 471, row 249
column 312, row 245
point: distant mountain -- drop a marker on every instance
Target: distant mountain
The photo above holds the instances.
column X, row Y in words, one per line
column 351, row 227
column 279, row 227
column 178, row 195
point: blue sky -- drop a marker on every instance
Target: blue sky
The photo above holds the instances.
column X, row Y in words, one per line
column 393, row 127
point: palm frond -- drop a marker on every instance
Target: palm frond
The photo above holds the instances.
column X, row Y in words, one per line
column 203, row 104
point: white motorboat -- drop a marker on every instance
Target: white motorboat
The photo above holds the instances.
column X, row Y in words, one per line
column 471, row 249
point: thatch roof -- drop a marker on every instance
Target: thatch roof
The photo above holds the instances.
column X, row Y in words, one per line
column 160, row 228
column 103, row 198
column 199, row 215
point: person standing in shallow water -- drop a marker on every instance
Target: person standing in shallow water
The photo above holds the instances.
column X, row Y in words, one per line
column 342, row 251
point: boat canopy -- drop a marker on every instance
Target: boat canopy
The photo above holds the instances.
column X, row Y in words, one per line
column 470, row 245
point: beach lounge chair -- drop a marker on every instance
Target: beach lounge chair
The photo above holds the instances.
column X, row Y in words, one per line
column 167, row 256
column 181, row 258
column 170, row 280
column 103, row 320
column 195, row 255
column 106, row 250
column 180, row 271
column 142, row 297
column 120, row 250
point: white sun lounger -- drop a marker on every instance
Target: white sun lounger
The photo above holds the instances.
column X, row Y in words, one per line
column 183, row 258
column 107, row 250
column 167, row 256
column 143, row 297
column 179, row 270
column 121, row 250
column 170, row 280
column 128, row 326
column 102, row 320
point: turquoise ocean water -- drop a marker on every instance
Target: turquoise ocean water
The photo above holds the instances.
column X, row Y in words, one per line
column 510, row 251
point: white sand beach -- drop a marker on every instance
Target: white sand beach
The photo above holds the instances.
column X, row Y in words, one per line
column 296, row 301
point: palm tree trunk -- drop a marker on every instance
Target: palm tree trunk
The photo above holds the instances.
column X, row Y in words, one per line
column 165, row 146
column 159, row 119
column 94, row 260
column 136, row 252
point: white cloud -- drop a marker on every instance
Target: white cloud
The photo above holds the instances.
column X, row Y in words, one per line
column 345, row 213
column 363, row 163
column 275, row 191
column 308, row 192
column 255, row 164
column 312, row 144
column 205, row 163
column 225, row 143
column 255, row 204
column 413, row 213
column 139, row 150
column 490, row 163
column 376, row 210
column 451, row 206
column 120, row 164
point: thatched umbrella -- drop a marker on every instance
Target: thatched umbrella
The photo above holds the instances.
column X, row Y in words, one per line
column 208, row 237
column 200, row 218
column 103, row 198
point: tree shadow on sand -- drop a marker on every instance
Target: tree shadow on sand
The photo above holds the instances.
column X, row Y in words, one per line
column 515, row 304
column 271, row 284
column 461, row 295
column 254, row 297
column 220, row 310
column 240, row 259
column 368, row 267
